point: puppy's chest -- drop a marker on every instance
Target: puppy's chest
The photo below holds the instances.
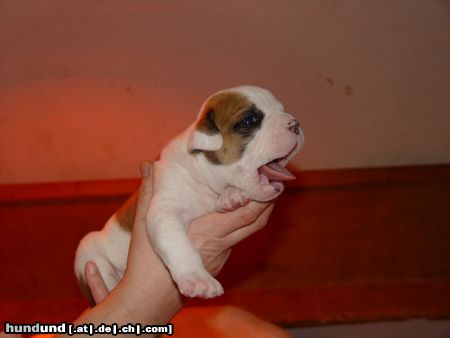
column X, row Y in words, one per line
column 200, row 203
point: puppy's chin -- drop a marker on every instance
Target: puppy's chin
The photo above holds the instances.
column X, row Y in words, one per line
column 264, row 190
column 265, row 182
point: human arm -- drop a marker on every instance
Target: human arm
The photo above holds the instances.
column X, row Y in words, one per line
column 147, row 294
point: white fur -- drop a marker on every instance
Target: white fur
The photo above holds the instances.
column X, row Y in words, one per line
column 187, row 186
column 202, row 141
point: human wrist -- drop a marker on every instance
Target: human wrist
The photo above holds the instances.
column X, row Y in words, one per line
column 149, row 294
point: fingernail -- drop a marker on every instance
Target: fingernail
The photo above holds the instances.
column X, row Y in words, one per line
column 145, row 168
column 91, row 269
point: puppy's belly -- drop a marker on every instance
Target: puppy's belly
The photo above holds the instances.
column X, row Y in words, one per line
column 108, row 248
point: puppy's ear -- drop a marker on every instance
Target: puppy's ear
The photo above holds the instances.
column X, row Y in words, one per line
column 206, row 136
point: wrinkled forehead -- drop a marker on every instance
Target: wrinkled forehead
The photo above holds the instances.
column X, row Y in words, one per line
column 261, row 97
column 230, row 103
column 225, row 107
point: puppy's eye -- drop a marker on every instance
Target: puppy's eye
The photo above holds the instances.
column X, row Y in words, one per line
column 251, row 120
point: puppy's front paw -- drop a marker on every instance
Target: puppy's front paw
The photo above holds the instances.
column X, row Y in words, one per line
column 199, row 285
column 231, row 199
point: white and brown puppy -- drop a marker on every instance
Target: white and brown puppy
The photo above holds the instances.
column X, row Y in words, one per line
column 236, row 151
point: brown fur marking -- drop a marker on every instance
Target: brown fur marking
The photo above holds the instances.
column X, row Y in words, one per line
column 127, row 212
column 220, row 114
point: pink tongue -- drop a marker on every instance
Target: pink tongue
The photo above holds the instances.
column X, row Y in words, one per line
column 276, row 172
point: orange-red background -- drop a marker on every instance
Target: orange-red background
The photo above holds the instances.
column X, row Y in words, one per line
column 90, row 88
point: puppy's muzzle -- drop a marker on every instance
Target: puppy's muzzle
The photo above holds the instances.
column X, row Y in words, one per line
column 294, row 127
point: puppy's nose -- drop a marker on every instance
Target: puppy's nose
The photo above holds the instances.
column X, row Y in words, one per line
column 293, row 126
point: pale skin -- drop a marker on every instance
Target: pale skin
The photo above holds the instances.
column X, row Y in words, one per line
column 147, row 294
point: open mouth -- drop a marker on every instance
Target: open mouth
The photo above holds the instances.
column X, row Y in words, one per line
column 274, row 172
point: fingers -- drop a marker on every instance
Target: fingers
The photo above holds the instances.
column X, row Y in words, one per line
column 145, row 168
column 95, row 282
column 229, row 222
column 145, row 190
column 238, row 235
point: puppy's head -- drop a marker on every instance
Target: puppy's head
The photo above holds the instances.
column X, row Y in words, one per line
column 246, row 134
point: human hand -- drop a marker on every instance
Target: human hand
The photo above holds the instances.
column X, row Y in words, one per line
column 213, row 234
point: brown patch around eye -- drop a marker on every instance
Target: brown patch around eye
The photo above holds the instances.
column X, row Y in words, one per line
column 207, row 124
column 220, row 114
column 127, row 212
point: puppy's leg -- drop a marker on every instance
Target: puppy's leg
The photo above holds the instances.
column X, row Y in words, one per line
column 91, row 248
column 231, row 199
column 169, row 239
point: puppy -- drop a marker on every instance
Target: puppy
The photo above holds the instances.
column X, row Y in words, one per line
column 235, row 151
